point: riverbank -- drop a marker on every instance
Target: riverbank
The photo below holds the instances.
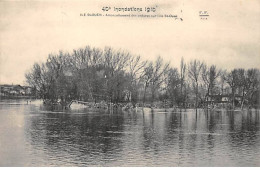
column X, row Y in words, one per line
column 16, row 97
column 78, row 105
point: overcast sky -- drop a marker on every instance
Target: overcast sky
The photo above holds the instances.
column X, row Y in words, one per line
column 230, row 38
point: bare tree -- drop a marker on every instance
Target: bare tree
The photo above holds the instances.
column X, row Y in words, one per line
column 249, row 82
column 159, row 70
column 146, row 78
column 136, row 71
column 182, row 81
column 105, row 74
column 174, row 86
column 194, row 72
column 222, row 81
column 233, row 82
column 209, row 76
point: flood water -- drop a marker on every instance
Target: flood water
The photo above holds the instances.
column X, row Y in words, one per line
column 30, row 135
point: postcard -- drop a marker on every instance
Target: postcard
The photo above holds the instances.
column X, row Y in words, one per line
column 130, row 83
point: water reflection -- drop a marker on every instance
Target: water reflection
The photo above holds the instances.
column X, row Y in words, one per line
column 142, row 138
column 91, row 136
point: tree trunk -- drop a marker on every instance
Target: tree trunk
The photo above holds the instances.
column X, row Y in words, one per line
column 242, row 103
column 153, row 91
column 144, row 94
column 196, row 101
column 243, row 99
column 233, row 101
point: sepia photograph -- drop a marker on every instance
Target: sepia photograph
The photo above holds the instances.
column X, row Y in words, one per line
column 129, row 83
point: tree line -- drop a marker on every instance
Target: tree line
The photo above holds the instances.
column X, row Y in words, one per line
column 93, row 74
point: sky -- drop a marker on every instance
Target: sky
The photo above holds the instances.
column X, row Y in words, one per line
column 30, row 30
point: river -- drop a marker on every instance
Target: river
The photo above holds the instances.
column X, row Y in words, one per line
column 31, row 135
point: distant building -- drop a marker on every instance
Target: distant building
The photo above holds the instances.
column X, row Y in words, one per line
column 28, row 90
column 15, row 90
column 222, row 98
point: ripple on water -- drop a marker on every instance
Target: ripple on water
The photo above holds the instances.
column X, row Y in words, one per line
column 85, row 138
